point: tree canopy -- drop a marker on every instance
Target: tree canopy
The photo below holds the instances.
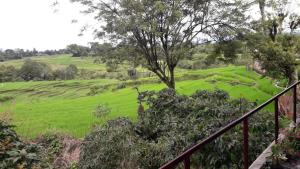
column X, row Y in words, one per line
column 164, row 31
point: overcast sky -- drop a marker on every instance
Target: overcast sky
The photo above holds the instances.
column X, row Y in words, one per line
column 32, row 24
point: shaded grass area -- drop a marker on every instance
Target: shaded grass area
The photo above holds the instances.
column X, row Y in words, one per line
column 64, row 106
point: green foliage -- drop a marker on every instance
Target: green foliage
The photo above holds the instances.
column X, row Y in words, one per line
column 109, row 146
column 67, row 73
column 111, row 66
column 77, row 50
column 5, row 98
column 132, row 73
column 59, row 105
column 8, row 73
column 32, row 70
column 50, row 147
column 166, row 35
column 101, row 111
column 278, row 57
column 172, row 123
column 289, row 147
column 225, row 51
column 14, row 153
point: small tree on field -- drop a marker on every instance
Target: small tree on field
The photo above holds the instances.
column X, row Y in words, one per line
column 77, row 50
column 164, row 30
column 32, row 70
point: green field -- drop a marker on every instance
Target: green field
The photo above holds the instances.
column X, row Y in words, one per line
column 58, row 61
column 64, row 105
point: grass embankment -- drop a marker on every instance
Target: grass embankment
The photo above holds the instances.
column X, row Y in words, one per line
column 64, row 106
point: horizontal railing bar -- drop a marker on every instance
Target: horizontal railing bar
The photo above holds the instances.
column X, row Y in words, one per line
column 212, row 137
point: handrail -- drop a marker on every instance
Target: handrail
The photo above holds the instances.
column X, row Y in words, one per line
column 185, row 156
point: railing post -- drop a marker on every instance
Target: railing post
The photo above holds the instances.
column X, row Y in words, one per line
column 276, row 120
column 246, row 143
column 295, row 104
column 187, row 163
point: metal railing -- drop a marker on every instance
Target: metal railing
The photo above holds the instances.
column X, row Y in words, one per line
column 185, row 156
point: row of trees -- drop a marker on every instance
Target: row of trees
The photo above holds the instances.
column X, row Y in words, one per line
column 10, row 54
column 32, row 70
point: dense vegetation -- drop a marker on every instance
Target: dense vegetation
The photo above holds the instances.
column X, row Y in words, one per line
column 14, row 153
column 38, row 71
column 68, row 106
column 172, row 123
column 117, row 89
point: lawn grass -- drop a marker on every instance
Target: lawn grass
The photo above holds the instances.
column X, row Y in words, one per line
column 64, row 106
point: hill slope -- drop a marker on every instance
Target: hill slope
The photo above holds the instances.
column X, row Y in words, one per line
column 65, row 106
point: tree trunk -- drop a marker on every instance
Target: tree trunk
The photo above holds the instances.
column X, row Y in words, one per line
column 170, row 82
column 293, row 77
column 262, row 5
column 172, row 79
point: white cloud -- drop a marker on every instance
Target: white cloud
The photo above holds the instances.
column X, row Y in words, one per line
column 34, row 24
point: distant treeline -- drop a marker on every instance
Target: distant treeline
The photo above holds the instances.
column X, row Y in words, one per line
column 11, row 54
column 32, row 70
column 94, row 49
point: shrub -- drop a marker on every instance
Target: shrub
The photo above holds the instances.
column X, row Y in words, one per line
column 199, row 64
column 132, row 73
column 109, row 147
column 67, row 73
column 121, row 86
column 14, row 153
column 8, row 73
column 71, row 71
column 172, row 123
column 101, row 111
column 185, row 64
column 111, row 66
column 32, row 70
column 93, row 90
column 5, row 98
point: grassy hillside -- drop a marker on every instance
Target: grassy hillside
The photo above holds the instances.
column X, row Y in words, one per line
column 65, row 106
column 58, row 61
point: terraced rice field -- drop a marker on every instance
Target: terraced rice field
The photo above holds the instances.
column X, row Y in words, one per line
column 66, row 106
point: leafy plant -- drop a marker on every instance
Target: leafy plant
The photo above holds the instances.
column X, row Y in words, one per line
column 289, row 147
column 172, row 123
column 14, row 153
column 101, row 111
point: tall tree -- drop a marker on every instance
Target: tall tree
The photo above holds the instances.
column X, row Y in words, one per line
column 164, row 30
column 277, row 50
column 262, row 6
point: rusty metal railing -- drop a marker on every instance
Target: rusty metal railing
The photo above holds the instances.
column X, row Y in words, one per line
column 185, row 156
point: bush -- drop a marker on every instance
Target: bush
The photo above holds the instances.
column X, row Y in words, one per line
column 68, row 73
column 5, row 98
column 32, row 70
column 121, row 86
column 111, row 66
column 132, row 73
column 8, row 73
column 172, row 123
column 101, row 111
column 14, row 153
column 185, row 64
column 109, row 147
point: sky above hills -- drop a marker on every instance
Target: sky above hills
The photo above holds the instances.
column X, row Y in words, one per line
column 37, row 24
